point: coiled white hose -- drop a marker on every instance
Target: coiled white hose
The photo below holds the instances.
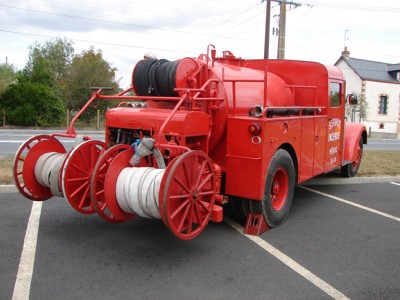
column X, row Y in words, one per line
column 137, row 191
column 47, row 171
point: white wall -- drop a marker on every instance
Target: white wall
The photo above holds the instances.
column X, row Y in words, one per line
column 353, row 84
column 353, row 81
column 391, row 119
column 373, row 90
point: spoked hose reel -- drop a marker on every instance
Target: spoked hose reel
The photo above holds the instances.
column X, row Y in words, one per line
column 182, row 195
column 96, row 178
column 43, row 168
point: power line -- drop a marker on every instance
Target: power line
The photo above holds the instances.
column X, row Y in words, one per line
column 233, row 17
column 219, row 25
column 94, row 20
column 351, row 6
column 116, row 23
column 95, row 42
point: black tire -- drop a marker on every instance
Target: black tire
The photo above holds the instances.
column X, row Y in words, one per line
column 351, row 169
column 237, row 208
column 279, row 188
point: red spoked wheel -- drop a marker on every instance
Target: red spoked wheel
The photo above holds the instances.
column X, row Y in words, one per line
column 279, row 188
column 77, row 173
column 120, row 162
column 357, row 162
column 351, row 169
column 187, row 194
column 97, row 185
column 24, row 165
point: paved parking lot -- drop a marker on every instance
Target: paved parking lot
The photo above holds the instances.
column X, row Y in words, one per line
column 340, row 241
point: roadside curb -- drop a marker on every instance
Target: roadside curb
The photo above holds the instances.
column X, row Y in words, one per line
column 354, row 180
column 10, row 188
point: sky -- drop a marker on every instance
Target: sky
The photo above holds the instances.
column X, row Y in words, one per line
column 124, row 30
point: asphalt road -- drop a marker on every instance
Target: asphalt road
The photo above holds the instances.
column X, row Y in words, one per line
column 383, row 144
column 10, row 140
column 326, row 247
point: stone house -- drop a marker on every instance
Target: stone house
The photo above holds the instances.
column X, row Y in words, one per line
column 379, row 84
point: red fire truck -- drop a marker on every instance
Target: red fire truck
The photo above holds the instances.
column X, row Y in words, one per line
column 200, row 136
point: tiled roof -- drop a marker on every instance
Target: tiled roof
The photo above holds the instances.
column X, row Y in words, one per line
column 373, row 70
column 393, row 68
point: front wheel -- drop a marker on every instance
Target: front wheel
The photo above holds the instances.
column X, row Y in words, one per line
column 350, row 170
column 279, row 188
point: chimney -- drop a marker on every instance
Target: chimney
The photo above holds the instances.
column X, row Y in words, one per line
column 346, row 53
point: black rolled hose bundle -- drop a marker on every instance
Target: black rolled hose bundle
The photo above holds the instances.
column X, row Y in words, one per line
column 155, row 77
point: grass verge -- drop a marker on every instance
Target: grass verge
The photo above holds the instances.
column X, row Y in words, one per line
column 374, row 163
column 6, row 166
column 380, row 163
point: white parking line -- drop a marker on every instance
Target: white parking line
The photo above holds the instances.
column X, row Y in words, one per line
column 318, row 282
column 24, row 276
column 395, row 183
column 352, row 203
column 11, row 141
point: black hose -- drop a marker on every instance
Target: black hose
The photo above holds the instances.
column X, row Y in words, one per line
column 141, row 82
column 155, row 77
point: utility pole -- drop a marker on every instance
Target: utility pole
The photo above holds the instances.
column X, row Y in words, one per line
column 267, row 29
column 282, row 27
column 282, row 31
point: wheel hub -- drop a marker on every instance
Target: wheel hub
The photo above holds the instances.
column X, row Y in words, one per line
column 275, row 188
column 279, row 189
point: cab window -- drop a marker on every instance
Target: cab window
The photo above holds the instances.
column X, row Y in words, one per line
column 335, row 94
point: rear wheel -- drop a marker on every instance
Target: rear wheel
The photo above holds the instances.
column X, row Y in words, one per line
column 350, row 170
column 238, row 208
column 279, row 188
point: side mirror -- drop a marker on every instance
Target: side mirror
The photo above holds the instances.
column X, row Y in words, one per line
column 352, row 99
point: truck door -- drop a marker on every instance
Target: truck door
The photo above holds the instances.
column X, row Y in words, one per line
column 334, row 146
column 319, row 145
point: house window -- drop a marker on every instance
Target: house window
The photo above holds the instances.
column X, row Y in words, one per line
column 383, row 104
column 335, row 94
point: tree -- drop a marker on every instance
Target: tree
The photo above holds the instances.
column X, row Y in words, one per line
column 361, row 108
column 88, row 69
column 32, row 104
column 36, row 98
column 48, row 63
column 7, row 76
column 55, row 78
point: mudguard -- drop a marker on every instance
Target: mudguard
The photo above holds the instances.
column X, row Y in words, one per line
column 352, row 134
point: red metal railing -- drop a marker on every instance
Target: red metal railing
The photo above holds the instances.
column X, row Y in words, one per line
column 293, row 89
column 186, row 98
